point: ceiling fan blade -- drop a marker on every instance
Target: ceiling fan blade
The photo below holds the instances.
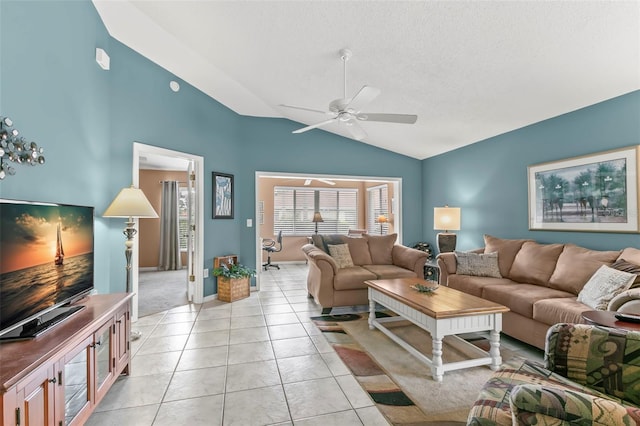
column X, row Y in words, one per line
column 356, row 131
column 327, row 181
column 305, row 109
column 389, row 118
column 313, row 126
column 362, row 98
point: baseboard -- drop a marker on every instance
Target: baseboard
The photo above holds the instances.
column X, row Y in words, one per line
column 154, row 269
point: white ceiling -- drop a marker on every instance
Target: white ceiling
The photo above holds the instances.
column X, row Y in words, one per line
column 469, row 69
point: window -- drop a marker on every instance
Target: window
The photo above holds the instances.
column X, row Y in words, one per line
column 294, row 208
column 183, row 217
column 378, row 205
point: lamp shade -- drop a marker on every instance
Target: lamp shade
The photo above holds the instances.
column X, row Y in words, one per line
column 446, row 218
column 317, row 217
column 382, row 219
column 131, row 202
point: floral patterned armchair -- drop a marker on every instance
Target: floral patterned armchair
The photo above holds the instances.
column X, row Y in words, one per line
column 591, row 376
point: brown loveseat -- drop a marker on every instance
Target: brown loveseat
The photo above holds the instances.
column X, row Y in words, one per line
column 373, row 257
column 540, row 283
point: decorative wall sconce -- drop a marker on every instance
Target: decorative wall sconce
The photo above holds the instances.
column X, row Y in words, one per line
column 15, row 149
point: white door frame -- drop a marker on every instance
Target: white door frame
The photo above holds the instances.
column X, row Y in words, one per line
column 397, row 203
column 140, row 149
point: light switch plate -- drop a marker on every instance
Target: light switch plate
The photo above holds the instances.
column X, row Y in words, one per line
column 249, row 223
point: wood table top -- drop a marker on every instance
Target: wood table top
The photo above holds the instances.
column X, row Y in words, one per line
column 445, row 302
column 608, row 319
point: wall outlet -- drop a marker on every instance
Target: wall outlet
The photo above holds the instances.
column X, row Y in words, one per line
column 206, row 273
column 249, row 223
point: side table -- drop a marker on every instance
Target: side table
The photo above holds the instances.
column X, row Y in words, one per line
column 431, row 270
column 608, row 319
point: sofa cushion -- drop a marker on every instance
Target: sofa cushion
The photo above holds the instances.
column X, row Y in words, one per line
column 352, row 278
column 506, row 249
column 576, row 265
column 632, row 268
column 519, row 297
column 359, row 249
column 535, row 263
column 631, row 254
column 341, row 254
column 478, row 264
column 559, row 310
column 380, row 247
column 603, row 286
column 390, row 271
column 474, row 285
column 492, row 406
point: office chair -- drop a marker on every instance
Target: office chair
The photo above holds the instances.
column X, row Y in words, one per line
column 269, row 246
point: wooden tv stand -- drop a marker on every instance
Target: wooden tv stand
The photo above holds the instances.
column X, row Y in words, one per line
column 59, row 377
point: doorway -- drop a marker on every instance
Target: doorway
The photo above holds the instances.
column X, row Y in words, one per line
column 192, row 166
column 265, row 207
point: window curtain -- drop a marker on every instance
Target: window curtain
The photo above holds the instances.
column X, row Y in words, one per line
column 170, row 258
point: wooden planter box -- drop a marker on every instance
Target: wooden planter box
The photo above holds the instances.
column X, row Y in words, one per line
column 232, row 289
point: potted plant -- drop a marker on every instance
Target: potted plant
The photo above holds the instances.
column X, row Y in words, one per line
column 233, row 281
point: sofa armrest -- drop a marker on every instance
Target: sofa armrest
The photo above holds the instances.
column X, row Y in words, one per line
column 536, row 404
column 317, row 256
column 447, row 264
column 627, row 301
column 604, row 359
column 409, row 258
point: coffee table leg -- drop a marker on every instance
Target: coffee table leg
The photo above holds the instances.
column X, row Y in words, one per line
column 372, row 313
column 437, row 372
column 494, row 351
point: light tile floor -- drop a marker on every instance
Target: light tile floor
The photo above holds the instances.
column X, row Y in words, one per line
column 256, row 361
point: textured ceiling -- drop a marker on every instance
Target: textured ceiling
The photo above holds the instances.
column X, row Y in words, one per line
column 469, row 69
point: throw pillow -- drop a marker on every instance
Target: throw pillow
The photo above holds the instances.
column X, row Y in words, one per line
column 603, row 286
column 632, row 268
column 380, row 247
column 341, row 254
column 506, row 249
column 478, row 264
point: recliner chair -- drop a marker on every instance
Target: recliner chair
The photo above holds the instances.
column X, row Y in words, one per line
column 269, row 245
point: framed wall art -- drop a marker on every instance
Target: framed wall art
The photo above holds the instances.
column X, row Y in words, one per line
column 591, row 193
column 222, row 196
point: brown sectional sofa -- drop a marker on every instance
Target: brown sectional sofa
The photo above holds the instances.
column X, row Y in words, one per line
column 540, row 283
column 374, row 257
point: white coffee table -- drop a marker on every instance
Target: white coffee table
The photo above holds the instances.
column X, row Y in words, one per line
column 446, row 312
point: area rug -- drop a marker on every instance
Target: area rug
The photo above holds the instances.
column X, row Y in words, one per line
column 399, row 384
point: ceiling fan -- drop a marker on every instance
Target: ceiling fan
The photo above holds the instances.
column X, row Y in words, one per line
column 308, row 181
column 349, row 110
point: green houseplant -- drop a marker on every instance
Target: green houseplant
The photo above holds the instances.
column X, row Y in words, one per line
column 233, row 270
column 233, row 281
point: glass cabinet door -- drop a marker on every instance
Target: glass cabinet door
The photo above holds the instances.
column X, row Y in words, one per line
column 76, row 381
column 103, row 356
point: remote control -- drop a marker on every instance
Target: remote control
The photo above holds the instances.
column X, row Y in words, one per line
column 628, row 317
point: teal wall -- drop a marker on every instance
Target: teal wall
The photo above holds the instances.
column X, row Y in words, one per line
column 87, row 120
column 488, row 180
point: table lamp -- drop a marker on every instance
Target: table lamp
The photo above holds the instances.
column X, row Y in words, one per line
column 447, row 219
column 317, row 217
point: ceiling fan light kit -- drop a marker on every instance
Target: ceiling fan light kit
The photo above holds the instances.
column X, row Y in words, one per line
column 349, row 110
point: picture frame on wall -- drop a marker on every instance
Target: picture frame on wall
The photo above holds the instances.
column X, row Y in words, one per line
column 222, row 195
column 590, row 193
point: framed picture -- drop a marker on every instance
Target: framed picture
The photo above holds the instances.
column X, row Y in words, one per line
column 222, row 196
column 592, row 193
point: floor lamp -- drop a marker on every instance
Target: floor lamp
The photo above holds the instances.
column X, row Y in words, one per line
column 382, row 219
column 447, row 219
column 130, row 203
column 317, row 217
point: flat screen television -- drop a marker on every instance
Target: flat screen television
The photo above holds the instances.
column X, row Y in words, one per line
column 46, row 263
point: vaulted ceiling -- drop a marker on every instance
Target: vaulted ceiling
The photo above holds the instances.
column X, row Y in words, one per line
column 468, row 69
